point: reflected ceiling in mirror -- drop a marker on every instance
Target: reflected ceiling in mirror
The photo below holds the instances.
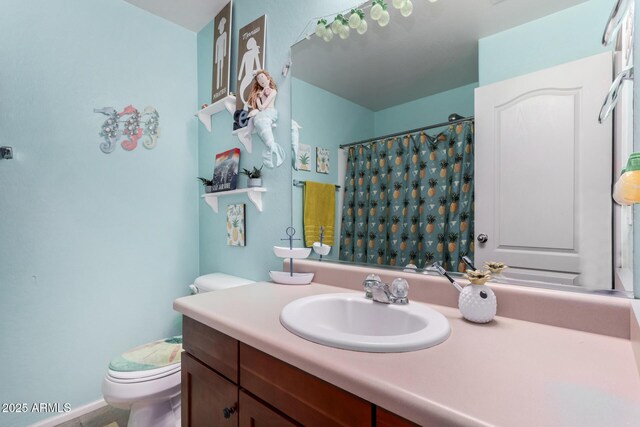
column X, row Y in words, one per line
column 447, row 30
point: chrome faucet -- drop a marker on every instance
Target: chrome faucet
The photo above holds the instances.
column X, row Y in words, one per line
column 378, row 291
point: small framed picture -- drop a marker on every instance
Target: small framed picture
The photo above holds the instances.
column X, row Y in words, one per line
column 236, row 225
column 225, row 171
column 322, row 160
column 303, row 161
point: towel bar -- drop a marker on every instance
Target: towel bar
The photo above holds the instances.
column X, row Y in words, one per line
column 297, row 183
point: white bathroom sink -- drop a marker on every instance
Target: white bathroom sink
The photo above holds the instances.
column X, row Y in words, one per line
column 353, row 322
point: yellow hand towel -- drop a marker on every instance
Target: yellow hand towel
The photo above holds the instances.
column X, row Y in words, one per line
column 319, row 210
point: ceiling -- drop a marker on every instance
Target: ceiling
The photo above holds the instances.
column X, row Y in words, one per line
column 433, row 50
column 190, row 14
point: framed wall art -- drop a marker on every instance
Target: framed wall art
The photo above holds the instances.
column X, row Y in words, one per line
column 303, row 159
column 236, row 225
column 322, row 160
column 221, row 53
column 252, row 39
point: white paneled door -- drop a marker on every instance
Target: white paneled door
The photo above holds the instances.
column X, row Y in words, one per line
column 543, row 168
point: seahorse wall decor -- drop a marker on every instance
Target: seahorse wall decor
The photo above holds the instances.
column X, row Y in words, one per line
column 129, row 126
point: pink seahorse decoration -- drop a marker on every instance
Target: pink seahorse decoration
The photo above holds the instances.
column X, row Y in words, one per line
column 132, row 128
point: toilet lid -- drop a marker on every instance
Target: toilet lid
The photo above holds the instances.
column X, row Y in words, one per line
column 139, row 376
column 157, row 356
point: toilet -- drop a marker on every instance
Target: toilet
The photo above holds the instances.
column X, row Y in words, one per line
column 146, row 379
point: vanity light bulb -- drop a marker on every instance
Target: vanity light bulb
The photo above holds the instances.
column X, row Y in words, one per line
column 362, row 28
column 335, row 26
column 398, row 3
column 376, row 11
column 407, row 8
column 384, row 18
column 344, row 32
column 328, row 35
column 320, row 30
column 354, row 20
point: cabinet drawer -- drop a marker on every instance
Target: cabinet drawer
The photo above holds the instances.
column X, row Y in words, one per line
column 305, row 398
column 213, row 348
column 255, row 414
column 387, row 419
column 208, row 399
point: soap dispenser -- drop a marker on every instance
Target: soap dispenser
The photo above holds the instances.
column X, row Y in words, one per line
column 626, row 191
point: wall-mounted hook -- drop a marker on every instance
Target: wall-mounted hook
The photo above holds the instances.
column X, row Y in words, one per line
column 6, row 153
column 614, row 23
column 614, row 93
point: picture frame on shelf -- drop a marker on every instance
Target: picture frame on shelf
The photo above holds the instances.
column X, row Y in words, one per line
column 222, row 30
column 225, row 171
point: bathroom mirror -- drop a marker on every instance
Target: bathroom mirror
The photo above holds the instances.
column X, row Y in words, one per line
column 522, row 175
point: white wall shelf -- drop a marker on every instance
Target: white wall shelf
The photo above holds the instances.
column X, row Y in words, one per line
column 254, row 194
column 228, row 102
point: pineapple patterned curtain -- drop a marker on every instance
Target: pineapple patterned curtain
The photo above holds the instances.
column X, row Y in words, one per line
column 409, row 200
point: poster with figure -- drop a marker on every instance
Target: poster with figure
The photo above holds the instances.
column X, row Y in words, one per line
column 221, row 54
column 251, row 58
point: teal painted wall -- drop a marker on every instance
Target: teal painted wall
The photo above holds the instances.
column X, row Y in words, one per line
column 285, row 20
column 94, row 247
column 564, row 36
column 327, row 121
column 425, row 111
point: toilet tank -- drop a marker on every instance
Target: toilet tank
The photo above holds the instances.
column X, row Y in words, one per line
column 217, row 281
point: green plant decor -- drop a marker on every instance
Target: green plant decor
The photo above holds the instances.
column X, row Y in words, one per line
column 253, row 174
column 206, row 182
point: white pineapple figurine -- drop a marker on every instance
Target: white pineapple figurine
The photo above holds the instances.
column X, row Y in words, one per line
column 477, row 302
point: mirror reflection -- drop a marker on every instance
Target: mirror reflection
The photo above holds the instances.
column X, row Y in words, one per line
column 467, row 129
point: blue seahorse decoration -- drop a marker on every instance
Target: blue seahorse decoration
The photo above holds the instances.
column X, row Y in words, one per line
column 110, row 130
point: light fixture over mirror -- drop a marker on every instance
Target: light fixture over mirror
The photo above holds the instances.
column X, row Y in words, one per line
column 537, row 178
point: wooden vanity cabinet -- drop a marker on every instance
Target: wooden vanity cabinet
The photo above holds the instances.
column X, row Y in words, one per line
column 228, row 383
column 303, row 397
column 257, row 414
column 208, row 399
column 385, row 418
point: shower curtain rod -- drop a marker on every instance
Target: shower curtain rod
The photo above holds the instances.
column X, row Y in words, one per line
column 377, row 138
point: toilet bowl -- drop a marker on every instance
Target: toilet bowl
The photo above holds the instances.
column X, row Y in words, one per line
column 146, row 379
column 151, row 394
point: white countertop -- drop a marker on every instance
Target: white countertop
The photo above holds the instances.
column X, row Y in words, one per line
column 506, row 373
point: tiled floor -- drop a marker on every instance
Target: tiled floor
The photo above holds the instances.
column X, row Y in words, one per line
column 103, row 417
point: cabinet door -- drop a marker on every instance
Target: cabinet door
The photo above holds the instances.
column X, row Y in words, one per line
column 303, row 397
column 213, row 348
column 388, row 419
column 255, row 414
column 207, row 398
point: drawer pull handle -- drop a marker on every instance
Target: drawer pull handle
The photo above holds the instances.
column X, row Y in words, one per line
column 227, row 412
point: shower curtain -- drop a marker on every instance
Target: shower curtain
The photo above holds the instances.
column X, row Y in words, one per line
column 409, row 200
